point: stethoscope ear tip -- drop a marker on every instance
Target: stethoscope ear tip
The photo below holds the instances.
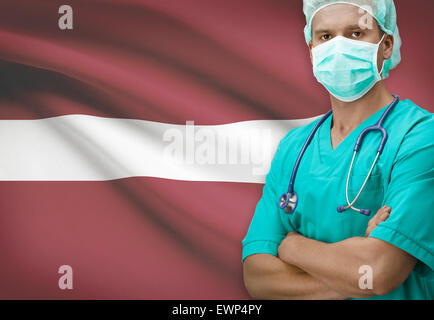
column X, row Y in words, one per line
column 366, row 212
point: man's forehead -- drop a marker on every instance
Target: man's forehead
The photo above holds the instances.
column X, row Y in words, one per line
column 339, row 15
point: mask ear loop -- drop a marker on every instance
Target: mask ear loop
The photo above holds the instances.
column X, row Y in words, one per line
column 382, row 67
column 381, row 71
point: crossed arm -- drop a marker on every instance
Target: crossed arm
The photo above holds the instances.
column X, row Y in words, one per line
column 310, row 269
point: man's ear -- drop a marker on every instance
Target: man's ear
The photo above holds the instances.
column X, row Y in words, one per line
column 310, row 51
column 388, row 46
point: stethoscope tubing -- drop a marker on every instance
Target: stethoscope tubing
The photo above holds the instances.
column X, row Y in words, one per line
column 300, row 155
column 285, row 199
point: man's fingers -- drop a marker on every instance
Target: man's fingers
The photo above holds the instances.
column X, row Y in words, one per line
column 368, row 231
column 385, row 211
column 381, row 215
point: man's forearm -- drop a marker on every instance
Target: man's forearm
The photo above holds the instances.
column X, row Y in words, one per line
column 335, row 264
column 268, row 277
column 338, row 264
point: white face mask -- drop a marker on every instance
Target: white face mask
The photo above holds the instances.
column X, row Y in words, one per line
column 347, row 68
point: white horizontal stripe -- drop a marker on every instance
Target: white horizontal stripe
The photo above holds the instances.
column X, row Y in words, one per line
column 81, row 147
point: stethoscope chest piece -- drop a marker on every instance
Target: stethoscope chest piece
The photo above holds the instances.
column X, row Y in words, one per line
column 288, row 202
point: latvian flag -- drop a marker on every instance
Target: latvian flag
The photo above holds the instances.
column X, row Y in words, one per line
column 135, row 137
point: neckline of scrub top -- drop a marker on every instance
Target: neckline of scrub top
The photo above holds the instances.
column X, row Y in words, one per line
column 351, row 137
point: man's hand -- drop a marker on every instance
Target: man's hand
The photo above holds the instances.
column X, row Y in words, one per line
column 381, row 215
column 288, row 246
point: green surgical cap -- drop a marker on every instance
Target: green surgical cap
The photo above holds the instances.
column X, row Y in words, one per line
column 382, row 10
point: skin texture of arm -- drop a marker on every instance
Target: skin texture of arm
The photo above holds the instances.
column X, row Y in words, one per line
column 268, row 277
column 337, row 264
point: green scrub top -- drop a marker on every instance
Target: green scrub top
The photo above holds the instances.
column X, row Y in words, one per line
column 403, row 178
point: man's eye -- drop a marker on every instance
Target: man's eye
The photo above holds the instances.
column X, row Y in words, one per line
column 356, row 34
column 325, row 37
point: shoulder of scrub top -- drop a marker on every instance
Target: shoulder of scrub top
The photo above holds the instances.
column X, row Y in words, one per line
column 298, row 135
column 293, row 140
column 409, row 117
column 409, row 106
column 410, row 130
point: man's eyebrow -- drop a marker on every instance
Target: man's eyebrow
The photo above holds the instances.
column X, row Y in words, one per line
column 322, row 31
column 353, row 27
column 325, row 30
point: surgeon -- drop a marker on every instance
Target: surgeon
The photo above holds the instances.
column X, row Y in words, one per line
column 354, row 224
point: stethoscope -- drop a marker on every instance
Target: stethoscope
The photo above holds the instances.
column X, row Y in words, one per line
column 288, row 201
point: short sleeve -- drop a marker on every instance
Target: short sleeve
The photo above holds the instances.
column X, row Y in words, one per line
column 410, row 194
column 266, row 230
